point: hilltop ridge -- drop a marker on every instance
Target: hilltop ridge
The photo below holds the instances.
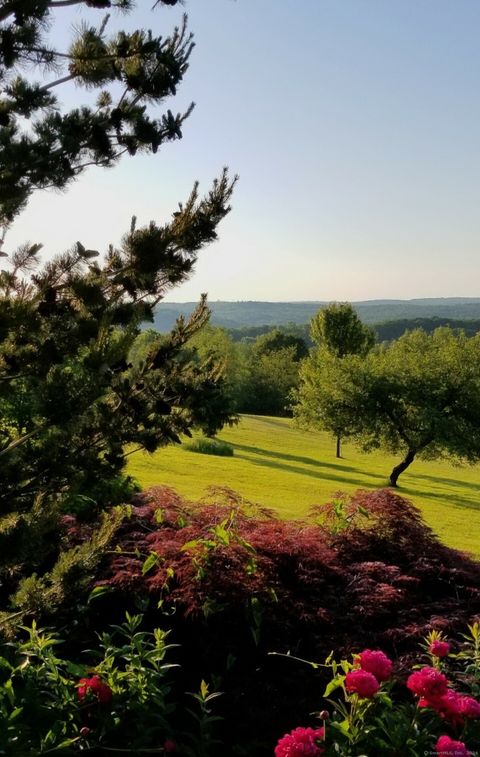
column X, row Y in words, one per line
column 257, row 313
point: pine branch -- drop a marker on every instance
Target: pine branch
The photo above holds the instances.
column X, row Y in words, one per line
column 64, row 3
column 19, row 441
column 56, row 83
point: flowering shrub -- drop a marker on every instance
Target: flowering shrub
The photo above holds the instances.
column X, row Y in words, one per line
column 123, row 699
column 378, row 715
column 362, row 683
column 376, row 663
column 447, row 746
column 301, row 742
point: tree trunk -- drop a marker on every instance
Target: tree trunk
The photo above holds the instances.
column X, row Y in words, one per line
column 339, row 446
column 398, row 469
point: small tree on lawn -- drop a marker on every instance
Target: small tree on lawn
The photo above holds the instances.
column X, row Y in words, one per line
column 70, row 401
column 418, row 396
column 337, row 331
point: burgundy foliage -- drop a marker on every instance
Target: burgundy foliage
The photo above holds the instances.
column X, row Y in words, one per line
column 386, row 580
column 381, row 582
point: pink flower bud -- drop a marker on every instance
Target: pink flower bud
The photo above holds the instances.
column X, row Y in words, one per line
column 439, row 648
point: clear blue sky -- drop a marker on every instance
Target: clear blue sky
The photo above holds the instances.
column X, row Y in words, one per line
column 355, row 128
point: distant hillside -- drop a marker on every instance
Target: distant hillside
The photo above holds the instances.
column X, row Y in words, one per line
column 237, row 314
column 394, row 329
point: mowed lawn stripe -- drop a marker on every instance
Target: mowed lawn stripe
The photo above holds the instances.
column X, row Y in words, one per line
column 280, row 466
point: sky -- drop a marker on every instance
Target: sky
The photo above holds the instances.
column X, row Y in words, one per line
column 354, row 128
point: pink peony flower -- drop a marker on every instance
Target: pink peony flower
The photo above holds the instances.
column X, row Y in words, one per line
column 447, row 747
column 439, row 648
column 453, row 707
column 428, row 683
column 448, row 706
column 301, row 742
column 101, row 691
column 470, row 707
column 377, row 663
column 361, row 682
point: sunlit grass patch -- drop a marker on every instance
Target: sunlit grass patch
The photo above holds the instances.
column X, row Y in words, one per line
column 289, row 470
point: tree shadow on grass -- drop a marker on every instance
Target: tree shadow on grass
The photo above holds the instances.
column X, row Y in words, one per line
column 258, row 456
column 294, row 458
column 448, row 481
column 268, row 420
column 450, row 499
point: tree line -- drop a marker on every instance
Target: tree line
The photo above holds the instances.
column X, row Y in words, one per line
column 385, row 331
column 257, row 376
column 416, row 396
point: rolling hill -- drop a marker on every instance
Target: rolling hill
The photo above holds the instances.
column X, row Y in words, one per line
column 252, row 313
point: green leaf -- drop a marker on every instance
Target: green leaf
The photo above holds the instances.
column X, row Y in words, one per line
column 222, row 534
column 5, row 665
column 98, row 591
column 8, row 688
column 76, row 670
column 190, row 545
column 15, row 713
column 335, row 683
column 343, row 727
column 151, row 561
column 385, row 699
column 158, row 515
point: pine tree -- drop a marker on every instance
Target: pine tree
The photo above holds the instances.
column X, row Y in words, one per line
column 72, row 407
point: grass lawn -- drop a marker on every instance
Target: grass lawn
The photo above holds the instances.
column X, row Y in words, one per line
column 289, row 470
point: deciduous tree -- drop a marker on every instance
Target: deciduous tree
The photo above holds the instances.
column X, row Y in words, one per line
column 340, row 331
column 337, row 331
column 418, row 396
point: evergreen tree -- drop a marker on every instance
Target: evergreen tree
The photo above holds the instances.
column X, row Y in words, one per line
column 41, row 146
column 72, row 406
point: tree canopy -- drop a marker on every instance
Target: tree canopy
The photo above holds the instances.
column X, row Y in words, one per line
column 337, row 332
column 338, row 329
column 418, row 396
column 276, row 340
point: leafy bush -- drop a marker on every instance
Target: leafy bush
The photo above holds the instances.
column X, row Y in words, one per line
column 375, row 567
column 122, row 698
column 116, row 491
column 372, row 713
column 207, row 446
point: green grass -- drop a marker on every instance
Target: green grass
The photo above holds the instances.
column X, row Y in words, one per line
column 280, row 466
